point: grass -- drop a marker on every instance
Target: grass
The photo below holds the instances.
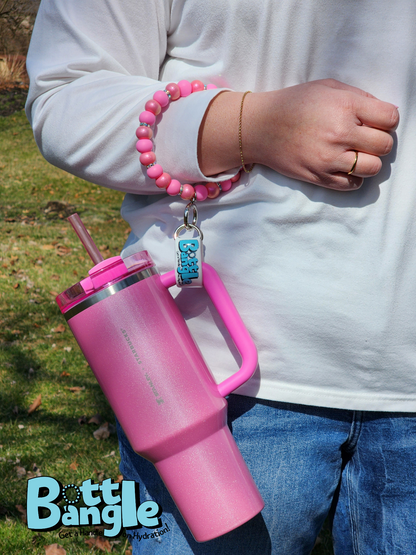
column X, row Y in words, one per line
column 41, row 256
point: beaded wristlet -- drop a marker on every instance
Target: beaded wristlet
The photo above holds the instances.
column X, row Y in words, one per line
column 144, row 145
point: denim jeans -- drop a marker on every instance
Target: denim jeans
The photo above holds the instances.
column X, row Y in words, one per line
column 308, row 463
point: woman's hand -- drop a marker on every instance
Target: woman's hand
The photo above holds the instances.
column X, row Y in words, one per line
column 309, row 132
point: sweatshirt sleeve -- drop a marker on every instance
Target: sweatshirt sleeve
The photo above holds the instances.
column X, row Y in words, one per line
column 93, row 64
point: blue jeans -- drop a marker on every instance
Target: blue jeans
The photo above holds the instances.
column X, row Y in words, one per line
column 308, row 462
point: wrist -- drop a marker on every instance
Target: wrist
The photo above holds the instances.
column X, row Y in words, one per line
column 218, row 148
column 257, row 120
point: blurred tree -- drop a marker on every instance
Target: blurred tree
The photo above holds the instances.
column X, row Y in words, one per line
column 16, row 23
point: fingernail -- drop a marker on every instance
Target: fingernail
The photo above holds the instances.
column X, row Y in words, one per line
column 356, row 185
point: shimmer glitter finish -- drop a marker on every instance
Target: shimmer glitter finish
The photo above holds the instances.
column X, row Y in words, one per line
column 163, row 394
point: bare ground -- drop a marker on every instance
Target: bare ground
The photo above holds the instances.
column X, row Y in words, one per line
column 12, row 99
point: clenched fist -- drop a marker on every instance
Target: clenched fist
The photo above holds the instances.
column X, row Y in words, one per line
column 310, row 132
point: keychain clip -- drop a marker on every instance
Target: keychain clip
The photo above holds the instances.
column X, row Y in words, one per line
column 189, row 251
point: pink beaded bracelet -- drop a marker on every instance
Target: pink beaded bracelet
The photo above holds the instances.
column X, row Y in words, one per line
column 144, row 145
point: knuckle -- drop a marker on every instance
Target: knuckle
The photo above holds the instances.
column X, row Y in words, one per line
column 330, row 82
column 339, row 133
column 388, row 145
column 394, row 118
column 374, row 166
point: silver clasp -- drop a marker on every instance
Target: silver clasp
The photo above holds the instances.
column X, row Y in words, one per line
column 194, row 215
column 189, row 250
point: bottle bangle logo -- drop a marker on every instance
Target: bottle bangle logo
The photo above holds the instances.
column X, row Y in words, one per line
column 44, row 513
column 188, row 262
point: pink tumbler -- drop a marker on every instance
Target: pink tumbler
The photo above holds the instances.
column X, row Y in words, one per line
column 160, row 388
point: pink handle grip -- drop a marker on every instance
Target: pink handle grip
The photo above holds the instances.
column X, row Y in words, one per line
column 232, row 320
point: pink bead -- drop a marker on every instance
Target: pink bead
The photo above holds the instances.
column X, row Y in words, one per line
column 188, row 192
column 201, row 192
column 155, row 171
column 185, row 87
column 153, row 106
column 174, row 90
column 173, row 188
column 162, row 98
column 144, row 132
column 197, row 86
column 163, row 181
column 226, row 185
column 147, row 158
column 147, row 117
column 235, row 178
column 144, row 145
column 213, row 190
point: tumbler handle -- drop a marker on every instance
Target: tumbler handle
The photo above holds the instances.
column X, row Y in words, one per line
column 232, row 320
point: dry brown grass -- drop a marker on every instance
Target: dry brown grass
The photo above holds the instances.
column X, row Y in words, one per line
column 12, row 69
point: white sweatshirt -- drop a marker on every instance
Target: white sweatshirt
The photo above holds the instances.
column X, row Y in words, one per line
column 325, row 281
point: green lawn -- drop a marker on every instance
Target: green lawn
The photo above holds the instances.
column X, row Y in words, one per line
column 41, row 256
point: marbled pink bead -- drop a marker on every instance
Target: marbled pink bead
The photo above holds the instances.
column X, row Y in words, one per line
column 163, row 181
column 155, row 171
column 185, row 87
column 162, row 98
column 144, row 145
column 235, row 178
column 173, row 188
column 226, row 185
column 174, row 90
column 197, row 85
column 201, row 192
column 147, row 158
column 144, row 132
column 153, row 106
column 147, row 117
column 213, row 190
column 188, row 192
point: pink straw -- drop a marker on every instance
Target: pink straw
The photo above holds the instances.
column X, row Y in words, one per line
column 85, row 238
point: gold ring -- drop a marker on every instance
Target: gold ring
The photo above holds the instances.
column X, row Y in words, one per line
column 355, row 163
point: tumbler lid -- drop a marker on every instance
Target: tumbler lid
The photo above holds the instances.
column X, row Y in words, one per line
column 102, row 275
